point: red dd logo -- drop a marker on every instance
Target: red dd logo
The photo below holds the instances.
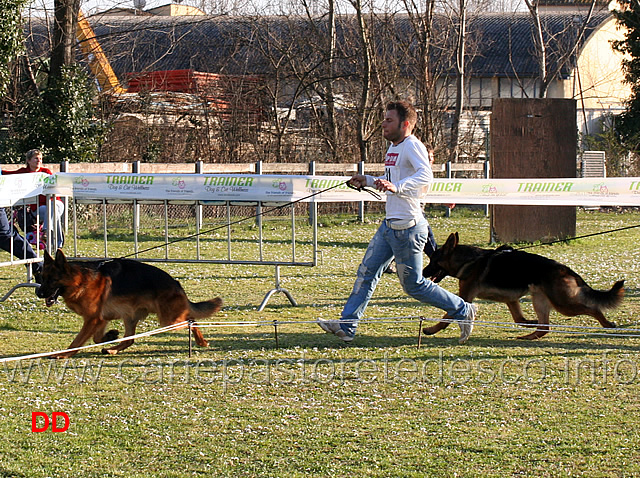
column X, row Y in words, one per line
column 55, row 424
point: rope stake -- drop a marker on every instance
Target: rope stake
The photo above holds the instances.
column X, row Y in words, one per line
column 275, row 331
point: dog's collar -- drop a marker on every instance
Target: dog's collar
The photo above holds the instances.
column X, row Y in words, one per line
column 101, row 264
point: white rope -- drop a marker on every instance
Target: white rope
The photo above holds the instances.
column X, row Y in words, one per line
column 411, row 318
column 559, row 329
column 130, row 337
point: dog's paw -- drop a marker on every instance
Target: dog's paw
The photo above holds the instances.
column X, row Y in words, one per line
column 534, row 335
column 111, row 335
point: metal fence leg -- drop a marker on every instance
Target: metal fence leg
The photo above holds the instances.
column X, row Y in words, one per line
column 277, row 289
column 25, row 284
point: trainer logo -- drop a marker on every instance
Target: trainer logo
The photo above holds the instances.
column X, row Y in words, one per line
column 40, row 422
column 446, row 186
column 545, row 187
column 130, row 179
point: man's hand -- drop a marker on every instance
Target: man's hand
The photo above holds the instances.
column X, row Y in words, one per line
column 384, row 186
column 358, row 181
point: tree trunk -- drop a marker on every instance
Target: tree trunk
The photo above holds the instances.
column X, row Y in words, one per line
column 332, row 139
column 460, row 81
column 64, row 38
column 365, row 99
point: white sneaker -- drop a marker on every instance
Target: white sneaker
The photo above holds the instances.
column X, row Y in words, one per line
column 466, row 325
column 333, row 327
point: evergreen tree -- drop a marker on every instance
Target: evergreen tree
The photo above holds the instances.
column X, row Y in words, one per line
column 628, row 123
column 59, row 119
column 10, row 38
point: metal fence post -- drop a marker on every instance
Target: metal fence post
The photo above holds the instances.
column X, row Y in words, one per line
column 449, row 174
column 486, row 176
column 64, row 167
column 135, row 169
column 198, row 211
column 259, row 206
column 361, row 205
column 313, row 205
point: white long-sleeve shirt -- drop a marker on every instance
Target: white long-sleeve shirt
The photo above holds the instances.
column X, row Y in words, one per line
column 407, row 166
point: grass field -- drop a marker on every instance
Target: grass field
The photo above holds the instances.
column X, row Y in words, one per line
column 566, row 405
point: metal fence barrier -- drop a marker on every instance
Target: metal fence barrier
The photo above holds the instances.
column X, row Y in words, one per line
column 85, row 217
column 12, row 259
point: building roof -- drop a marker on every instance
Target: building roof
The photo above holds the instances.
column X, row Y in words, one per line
column 499, row 45
column 506, row 42
column 572, row 3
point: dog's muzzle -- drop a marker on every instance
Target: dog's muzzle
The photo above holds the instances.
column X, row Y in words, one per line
column 438, row 276
column 53, row 298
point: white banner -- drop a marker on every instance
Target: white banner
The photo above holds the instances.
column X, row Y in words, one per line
column 287, row 188
column 538, row 191
column 203, row 187
column 16, row 187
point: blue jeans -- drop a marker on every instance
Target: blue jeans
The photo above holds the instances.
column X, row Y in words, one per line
column 407, row 247
column 431, row 245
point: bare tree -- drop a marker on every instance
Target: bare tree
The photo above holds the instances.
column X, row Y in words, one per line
column 572, row 34
column 278, row 42
column 427, row 46
column 366, row 106
column 461, row 39
column 327, row 90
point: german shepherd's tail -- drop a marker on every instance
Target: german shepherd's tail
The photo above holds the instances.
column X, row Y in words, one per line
column 605, row 299
column 202, row 310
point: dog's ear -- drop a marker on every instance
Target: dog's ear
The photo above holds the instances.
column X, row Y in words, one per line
column 457, row 239
column 61, row 260
column 452, row 241
column 47, row 257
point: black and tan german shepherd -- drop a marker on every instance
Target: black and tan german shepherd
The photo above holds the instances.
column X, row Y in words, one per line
column 505, row 275
column 101, row 291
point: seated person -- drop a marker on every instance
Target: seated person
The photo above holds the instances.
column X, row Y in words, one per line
column 34, row 165
column 21, row 248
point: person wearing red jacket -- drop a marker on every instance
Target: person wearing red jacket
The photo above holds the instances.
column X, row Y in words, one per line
column 34, row 165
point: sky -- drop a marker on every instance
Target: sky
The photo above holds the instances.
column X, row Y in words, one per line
column 89, row 7
column 93, row 6
column 241, row 6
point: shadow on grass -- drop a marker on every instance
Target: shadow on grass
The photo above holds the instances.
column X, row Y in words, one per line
column 629, row 292
column 263, row 340
column 432, row 346
column 11, row 474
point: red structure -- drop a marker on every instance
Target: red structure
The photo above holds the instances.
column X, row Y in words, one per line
column 225, row 95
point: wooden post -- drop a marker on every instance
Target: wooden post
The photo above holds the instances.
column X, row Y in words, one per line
column 533, row 138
